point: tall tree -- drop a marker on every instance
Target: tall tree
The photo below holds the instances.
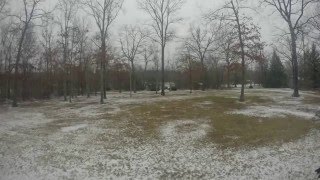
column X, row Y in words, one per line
column 186, row 64
column 293, row 12
column 236, row 12
column 315, row 25
column 249, row 43
column 156, row 63
column 28, row 56
column 30, row 13
column 68, row 10
column 104, row 13
column 147, row 53
column 84, row 51
column 200, row 43
column 7, row 51
column 131, row 41
column 3, row 4
column 163, row 14
column 312, row 67
column 227, row 40
column 47, row 44
column 276, row 77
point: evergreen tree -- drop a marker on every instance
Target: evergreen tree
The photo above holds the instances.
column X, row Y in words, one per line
column 276, row 77
column 312, row 68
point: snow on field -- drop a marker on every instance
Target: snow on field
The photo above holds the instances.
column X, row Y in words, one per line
column 274, row 111
column 58, row 141
column 283, row 105
column 74, row 128
column 184, row 130
column 15, row 118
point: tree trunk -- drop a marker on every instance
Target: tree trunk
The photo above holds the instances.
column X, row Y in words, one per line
column 294, row 63
column 103, row 54
column 105, row 83
column 157, row 79
column 144, row 75
column 203, row 75
column 65, row 74
column 16, row 69
column 70, row 85
column 190, row 76
column 8, row 95
column 228, row 68
column 24, row 89
column 162, row 71
column 131, row 72
column 134, row 82
column 242, row 98
column 87, row 81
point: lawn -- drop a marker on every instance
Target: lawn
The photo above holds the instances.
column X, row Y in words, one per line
column 208, row 135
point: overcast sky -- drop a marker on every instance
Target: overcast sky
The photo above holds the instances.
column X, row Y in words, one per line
column 192, row 11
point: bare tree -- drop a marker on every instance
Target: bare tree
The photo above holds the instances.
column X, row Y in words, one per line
column 68, row 10
column 3, row 10
column 315, row 25
column 147, row 53
column 237, row 19
column 163, row 14
column 227, row 40
column 200, row 43
column 104, row 13
column 28, row 58
column 131, row 40
column 293, row 12
column 8, row 37
column 230, row 12
column 72, row 60
column 2, row 5
column 186, row 63
column 156, row 63
column 30, row 13
column 47, row 44
column 84, row 51
column 248, row 34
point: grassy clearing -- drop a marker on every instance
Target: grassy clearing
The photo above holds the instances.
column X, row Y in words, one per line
column 311, row 100
column 227, row 130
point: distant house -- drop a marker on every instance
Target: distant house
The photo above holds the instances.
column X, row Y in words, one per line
column 169, row 85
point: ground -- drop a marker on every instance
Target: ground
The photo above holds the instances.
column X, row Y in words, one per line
column 205, row 135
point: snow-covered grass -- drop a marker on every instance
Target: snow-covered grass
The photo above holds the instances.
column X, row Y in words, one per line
column 184, row 130
column 73, row 128
column 283, row 105
column 180, row 136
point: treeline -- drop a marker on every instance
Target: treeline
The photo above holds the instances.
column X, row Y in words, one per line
column 40, row 83
column 48, row 53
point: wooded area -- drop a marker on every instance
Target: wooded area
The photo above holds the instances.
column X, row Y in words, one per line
column 159, row 89
column 52, row 53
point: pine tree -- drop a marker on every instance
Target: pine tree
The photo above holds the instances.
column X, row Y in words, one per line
column 312, row 67
column 276, row 77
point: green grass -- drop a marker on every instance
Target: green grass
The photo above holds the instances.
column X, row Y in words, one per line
column 227, row 130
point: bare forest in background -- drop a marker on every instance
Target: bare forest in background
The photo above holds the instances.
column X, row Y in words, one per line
column 47, row 53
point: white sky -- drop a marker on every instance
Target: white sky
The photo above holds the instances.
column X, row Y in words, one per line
column 191, row 12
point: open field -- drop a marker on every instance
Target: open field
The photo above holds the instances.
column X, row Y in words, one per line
column 208, row 135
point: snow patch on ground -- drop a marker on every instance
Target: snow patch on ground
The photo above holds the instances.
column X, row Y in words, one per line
column 283, row 105
column 184, row 130
column 103, row 150
column 74, row 128
column 19, row 118
column 273, row 111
